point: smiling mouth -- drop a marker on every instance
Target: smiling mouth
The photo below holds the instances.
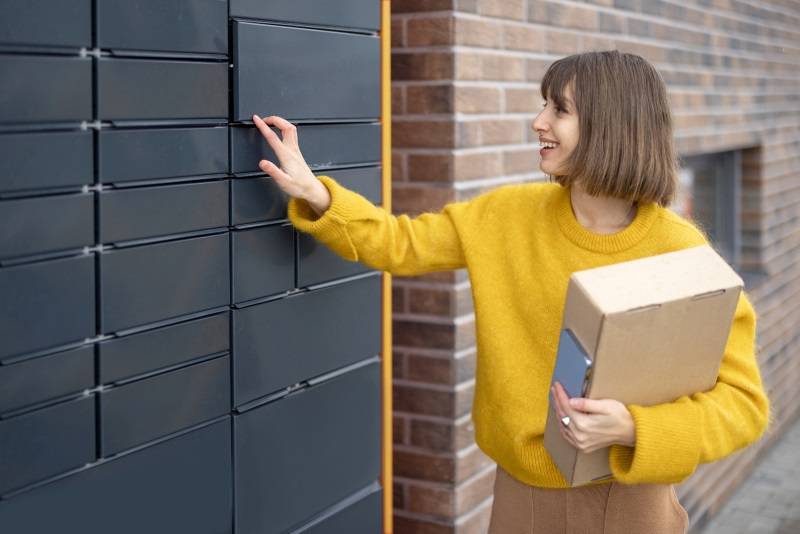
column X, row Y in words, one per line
column 547, row 147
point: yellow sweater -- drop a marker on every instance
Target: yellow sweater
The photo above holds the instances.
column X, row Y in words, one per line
column 520, row 243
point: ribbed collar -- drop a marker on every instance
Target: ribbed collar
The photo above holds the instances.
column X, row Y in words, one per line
column 646, row 214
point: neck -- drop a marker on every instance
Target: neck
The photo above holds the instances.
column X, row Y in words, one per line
column 601, row 214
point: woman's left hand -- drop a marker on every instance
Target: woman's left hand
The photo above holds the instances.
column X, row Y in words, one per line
column 594, row 424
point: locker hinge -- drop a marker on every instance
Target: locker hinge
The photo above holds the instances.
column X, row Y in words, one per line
column 90, row 52
column 94, row 125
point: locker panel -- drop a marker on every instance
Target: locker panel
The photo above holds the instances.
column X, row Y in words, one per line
column 26, row 160
column 263, row 261
column 40, row 379
column 278, row 84
column 346, row 13
column 149, row 154
column 273, row 350
column 40, row 444
column 150, row 283
column 46, row 304
column 365, row 515
column 155, row 211
column 139, row 89
column 198, row 26
column 317, row 263
column 46, row 23
column 179, row 485
column 324, row 145
column 147, row 409
column 257, row 199
column 129, row 356
column 27, row 93
column 303, row 453
column 35, row 225
column 365, row 180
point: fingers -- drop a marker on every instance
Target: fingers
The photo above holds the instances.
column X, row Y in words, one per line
column 270, row 136
column 288, row 130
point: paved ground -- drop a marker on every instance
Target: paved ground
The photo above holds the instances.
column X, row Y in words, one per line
column 769, row 502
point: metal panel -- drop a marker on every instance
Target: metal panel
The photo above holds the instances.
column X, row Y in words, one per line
column 138, row 89
column 45, row 378
column 154, row 211
column 366, row 181
column 149, row 154
column 257, row 199
column 43, row 224
column 301, row 454
column 27, row 93
column 323, row 146
column 317, row 263
column 46, row 304
column 182, row 485
column 263, row 262
column 364, row 515
column 129, row 356
column 46, row 442
column 347, row 13
column 273, row 349
column 146, row 284
column 163, row 25
column 26, row 160
column 148, row 409
column 46, row 23
column 278, row 84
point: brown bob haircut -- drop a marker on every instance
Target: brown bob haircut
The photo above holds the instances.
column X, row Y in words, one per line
column 625, row 148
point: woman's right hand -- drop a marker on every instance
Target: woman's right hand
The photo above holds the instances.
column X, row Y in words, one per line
column 294, row 176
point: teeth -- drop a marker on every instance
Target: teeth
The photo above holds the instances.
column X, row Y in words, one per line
column 548, row 145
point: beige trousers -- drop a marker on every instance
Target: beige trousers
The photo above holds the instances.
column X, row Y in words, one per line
column 612, row 508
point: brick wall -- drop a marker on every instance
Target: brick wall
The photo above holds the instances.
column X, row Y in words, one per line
column 464, row 92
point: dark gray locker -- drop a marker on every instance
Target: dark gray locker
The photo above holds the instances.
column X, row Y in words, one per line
column 141, row 411
column 46, row 23
column 273, row 349
column 149, row 154
column 40, row 379
column 151, row 283
column 365, row 180
column 363, row 516
column 45, row 224
column 132, row 355
column 324, row 145
column 257, row 199
column 182, row 485
column 347, row 64
column 46, row 304
column 40, row 444
column 364, row 14
column 301, row 454
column 47, row 89
column 145, row 89
column 263, row 262
column 155, row 211
column 163, row 25
column 26, row 160
column 316, row 263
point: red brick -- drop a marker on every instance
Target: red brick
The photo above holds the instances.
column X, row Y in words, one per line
column 476, row 99
column 429, row 31
column 509, row 9
column 476, row 165
column 525, row 38
column 479, row 33
column 429, row 370
column 423, row 134
column 429, row 167
column 523, row 100
column 423, row 99
column 422, row 65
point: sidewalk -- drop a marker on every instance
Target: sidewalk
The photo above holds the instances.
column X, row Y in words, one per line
column 769, row 502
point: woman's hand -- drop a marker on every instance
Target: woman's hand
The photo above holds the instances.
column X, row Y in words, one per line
column 594, row 424
column 294, row 176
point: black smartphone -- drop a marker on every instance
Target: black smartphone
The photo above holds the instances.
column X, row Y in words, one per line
column 573, row 365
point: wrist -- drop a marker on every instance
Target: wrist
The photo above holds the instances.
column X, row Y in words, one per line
column 319, row 198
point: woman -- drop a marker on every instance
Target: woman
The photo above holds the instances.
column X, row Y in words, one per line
column 606, row 136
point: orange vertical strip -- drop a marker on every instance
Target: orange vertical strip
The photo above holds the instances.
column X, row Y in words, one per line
column 386, row 159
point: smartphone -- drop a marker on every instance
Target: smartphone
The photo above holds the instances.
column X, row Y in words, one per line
column 573, row 365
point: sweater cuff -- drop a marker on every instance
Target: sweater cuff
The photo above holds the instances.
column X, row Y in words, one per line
column 305, row 219
column 666, row 450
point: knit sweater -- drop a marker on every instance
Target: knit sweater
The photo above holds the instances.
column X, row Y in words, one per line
column 519, row 244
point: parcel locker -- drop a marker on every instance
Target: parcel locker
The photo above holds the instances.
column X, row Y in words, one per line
column 323, row 145
column 196, row 26
column 263, row 261
column 26, row 160
column 364, row 515
column 131, row 155
column 273, row 348
column 300, row 454
column 181, row 485
column 150, row 89
column 28, row 92
column 316, row 263
column 364, row 14
column 36, row 225
column 141, row 411
column 46, row 304
column 128, row 356
column 145, row 284
column 365, row 180
column 46, row 23
column 37, row 445
column 143, row 212
column 257, row 199
column 44, row 378
column 347, row 65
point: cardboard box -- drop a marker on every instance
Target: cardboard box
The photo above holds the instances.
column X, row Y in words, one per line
column 656, row 330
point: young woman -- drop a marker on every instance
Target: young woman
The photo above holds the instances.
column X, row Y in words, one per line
column 606, row 136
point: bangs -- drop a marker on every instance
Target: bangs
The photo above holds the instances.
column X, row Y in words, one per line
column 558, row 76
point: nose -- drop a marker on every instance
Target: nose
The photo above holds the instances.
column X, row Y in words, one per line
column 539, row 123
